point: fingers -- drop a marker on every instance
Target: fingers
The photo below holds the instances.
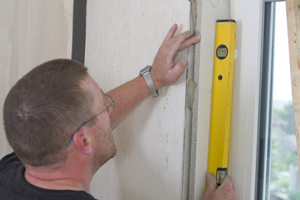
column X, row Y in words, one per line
column 211, row 183
column 227, row 189
column 182, row 41
column 178, row 69
column 185, row 36
column 189, row 33
column 190, row 41
column 228, row 183
column 182, row 37
column 228, row 180
column 171, row 33
column 164, row 71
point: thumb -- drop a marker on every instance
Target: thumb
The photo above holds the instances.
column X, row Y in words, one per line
column 178, row 69
column 211, row 183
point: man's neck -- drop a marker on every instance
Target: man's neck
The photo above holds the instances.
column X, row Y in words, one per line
column 62, row 178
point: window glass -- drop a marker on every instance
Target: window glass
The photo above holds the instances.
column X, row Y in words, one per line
column 284, row 178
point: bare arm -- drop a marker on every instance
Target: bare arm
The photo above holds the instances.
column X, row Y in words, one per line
column 127, row 97
column 164, row 72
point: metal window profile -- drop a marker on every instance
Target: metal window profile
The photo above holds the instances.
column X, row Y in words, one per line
column 265, row 110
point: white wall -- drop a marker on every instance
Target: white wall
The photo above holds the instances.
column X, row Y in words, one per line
column 211, row 11
column 243, row 147
column 122, row 38
column 244, row 116
column 31, row 32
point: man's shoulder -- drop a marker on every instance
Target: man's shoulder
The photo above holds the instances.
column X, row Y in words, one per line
column 14, row 186
column 9, row 157
column 9, row 167
column 8, row 160
column 57, row 195
column 60, row 195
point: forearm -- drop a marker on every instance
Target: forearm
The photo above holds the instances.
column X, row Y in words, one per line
column 163, row 72
column 127, row 96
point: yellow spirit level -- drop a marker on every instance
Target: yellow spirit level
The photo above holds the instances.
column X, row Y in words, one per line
column 221, row 99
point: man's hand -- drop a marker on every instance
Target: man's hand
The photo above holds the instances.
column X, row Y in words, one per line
column 224, row 192
column 164, row 71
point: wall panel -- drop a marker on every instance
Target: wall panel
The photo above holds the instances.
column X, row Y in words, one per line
column 31, row 32
column 122, row 38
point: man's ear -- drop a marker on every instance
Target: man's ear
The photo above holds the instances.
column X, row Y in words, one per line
column 82, row 141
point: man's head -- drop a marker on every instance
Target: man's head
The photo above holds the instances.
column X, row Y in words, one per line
column 44, row 108
column 96, row 138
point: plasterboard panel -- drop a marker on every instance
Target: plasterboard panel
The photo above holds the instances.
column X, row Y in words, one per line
column 30, row 34
column 122, row 38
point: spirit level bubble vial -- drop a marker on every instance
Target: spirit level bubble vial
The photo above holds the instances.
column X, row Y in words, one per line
column 221, row 99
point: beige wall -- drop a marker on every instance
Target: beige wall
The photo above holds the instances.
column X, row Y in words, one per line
column 122, row 38
column 31, row 32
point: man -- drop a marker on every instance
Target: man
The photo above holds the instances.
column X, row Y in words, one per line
column 59, row 124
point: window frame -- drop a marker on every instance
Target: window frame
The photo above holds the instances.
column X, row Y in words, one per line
column 265, row 104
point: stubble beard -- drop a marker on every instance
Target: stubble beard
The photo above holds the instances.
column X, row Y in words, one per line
column 107, row 151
